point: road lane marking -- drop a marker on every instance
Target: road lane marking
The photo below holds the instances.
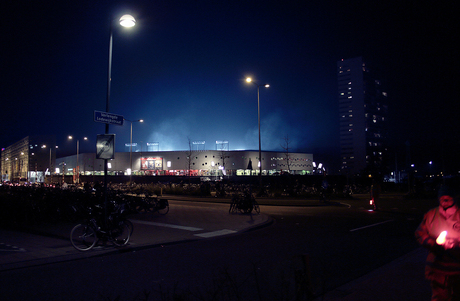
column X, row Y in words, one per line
column 215, row 233
column 371, row 225
column 9, row 248
column 167, row 225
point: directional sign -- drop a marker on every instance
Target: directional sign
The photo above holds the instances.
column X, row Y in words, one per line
column 109, row 118
column 105, row 146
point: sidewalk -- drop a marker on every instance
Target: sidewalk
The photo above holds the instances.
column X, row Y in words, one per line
column 50, row 243
column 402, row 279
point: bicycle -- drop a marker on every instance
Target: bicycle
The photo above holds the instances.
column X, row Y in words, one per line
column 86, row 235
column 244, row 203
column 151, row 204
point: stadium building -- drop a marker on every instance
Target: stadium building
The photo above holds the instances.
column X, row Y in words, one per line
column 199, row 163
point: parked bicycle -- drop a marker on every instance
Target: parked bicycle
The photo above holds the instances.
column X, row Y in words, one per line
column 117, row 229
column 150, row 204
column 244, row 203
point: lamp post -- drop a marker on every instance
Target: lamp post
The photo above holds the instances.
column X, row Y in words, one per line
column 131, row 148
column 50, row 164
column 77, row 167
column 249, row 80
column 125, row 21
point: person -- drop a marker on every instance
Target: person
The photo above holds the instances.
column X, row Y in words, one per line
column 376, row 189
column 443, row 261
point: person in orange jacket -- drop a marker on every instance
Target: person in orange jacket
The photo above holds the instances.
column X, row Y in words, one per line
column 439, row 232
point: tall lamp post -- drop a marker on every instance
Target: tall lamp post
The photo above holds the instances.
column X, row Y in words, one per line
column 125, row 21
column 131, row 148
column 249, row 80
column 77, row 167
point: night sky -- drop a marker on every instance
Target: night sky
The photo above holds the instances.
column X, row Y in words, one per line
column 182, row 69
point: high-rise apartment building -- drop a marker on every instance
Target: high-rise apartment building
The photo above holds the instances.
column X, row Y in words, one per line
column 363, row 112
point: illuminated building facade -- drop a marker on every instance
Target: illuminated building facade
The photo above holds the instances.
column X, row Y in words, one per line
column 198, row 162
column 363, row 110
column 30, row 158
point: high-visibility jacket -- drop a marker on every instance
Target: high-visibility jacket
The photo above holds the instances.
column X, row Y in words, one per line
column 440, row 261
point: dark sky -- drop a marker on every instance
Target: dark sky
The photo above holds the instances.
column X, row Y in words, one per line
column 182, row 70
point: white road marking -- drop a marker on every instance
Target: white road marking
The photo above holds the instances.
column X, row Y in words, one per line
column 204, row 235
column 9, row 248
column 215, row 233
column 167, row 225
column 371, row 225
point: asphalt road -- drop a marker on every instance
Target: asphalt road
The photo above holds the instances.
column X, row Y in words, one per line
column 338, row 243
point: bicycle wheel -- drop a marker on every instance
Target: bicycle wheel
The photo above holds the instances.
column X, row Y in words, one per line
column 164, row 205
column 130, row 226
column 232, row 207
column 83, row 237
column 245, row 209
column 121, row 234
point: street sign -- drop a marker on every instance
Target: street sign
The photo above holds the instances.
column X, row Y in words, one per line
column 105, row 146
column 109, row 118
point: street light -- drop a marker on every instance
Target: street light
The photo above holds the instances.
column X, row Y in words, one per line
column 125, row 21
column 77, row 168
column 131, row 148
column 249, row 80
column 50, row 163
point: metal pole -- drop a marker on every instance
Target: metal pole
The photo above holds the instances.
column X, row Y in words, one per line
column 109, row 80
column 260, row 148
column 77, row 178
column 131, row 154
column 50, row 167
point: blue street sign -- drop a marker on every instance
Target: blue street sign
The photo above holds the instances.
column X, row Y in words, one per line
column 109, row 118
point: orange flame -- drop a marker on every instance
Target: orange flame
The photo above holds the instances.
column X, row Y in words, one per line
column 441, row 238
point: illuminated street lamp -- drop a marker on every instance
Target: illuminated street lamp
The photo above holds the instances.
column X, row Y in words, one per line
column 131, row 148
column 50, row 162
column 77, row 167
column 125, row 21
column 249, row 80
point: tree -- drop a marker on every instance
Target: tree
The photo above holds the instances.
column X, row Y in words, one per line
column 223, row 149
column 189, row 156
column 287, row 155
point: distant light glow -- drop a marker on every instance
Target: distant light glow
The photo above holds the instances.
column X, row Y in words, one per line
column 249, row 79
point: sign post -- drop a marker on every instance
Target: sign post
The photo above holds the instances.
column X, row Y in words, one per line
column 106, row 143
